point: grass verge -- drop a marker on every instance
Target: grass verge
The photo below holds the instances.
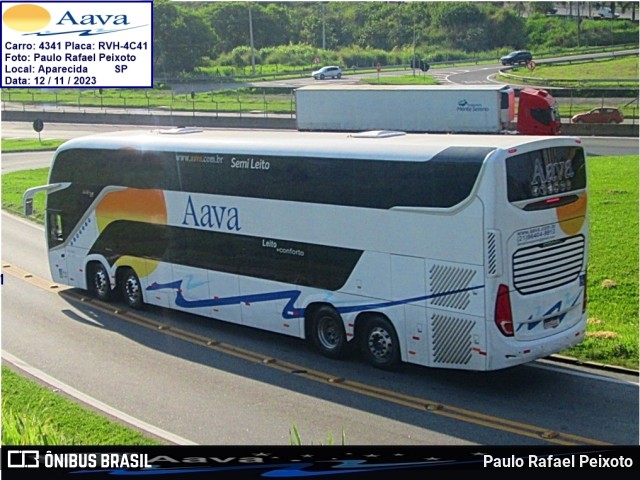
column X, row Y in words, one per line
column 612, row 333
column 35, row 415
column 588, row 72
column 10, row 145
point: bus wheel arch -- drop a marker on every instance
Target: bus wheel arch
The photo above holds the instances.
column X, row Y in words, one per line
column 378, row 341
column 130, row 287
column 324, row 328
column 98, row 282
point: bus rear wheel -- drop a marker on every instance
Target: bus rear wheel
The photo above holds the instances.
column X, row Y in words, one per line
column 99, row 284
column 327, row 332
column 379, row 343
column 131, row 289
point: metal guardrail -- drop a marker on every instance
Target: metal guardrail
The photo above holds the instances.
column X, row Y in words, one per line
column 246, row 121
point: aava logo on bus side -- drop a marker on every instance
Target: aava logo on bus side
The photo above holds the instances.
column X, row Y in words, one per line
column 216, row 217
column 29, row 18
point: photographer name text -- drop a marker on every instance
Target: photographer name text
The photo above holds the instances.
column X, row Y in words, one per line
column 554, row 461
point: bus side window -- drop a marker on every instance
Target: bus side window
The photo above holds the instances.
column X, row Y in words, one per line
column 54, row 223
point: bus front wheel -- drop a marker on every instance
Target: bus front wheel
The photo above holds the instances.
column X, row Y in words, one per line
column 327, row 332
column 99, row 284
column 380, row 345
column 131, row 289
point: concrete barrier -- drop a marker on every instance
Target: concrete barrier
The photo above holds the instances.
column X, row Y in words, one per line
column 600, row 130
column 250, row 121
column 237, row 121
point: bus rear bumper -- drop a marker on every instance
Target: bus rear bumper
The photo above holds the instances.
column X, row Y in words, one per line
column 517, row 353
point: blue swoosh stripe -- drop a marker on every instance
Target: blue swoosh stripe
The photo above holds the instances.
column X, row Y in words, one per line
column 290, row 310
column 85, row 32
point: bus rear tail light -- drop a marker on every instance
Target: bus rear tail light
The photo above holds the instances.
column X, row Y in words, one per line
column 503, row 315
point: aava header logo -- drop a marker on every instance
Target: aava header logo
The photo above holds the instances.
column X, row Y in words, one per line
column 32, row 19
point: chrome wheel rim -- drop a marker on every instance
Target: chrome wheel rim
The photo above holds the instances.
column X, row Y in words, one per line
column 329, row 333
column 132, row 290
column 101, row 282
column 380, row 343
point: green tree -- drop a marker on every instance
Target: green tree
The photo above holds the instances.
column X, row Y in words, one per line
column 230, row 20
column 192, row 33
column 271, row 23
column 182, row 38
column 626, row 6
column 336, row 17
column 541, row 7
column 459, row 24
column 504, row 28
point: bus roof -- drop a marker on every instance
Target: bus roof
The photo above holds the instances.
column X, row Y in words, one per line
column 370, row 145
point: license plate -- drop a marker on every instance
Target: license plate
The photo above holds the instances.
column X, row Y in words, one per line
column 552, row 322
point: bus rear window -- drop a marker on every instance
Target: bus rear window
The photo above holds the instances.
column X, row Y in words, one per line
column 551, row 171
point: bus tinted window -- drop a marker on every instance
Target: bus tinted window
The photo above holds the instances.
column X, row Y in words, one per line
column 298, row 263
column 131, row 168
column 443, row 181
column 545, row 172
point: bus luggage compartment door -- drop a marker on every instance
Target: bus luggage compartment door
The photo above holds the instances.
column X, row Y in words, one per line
column 409, row 284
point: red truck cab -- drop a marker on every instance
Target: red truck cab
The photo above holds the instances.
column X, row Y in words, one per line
column 537, row 113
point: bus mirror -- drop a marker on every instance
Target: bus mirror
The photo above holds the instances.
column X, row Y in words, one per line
column 28, row 207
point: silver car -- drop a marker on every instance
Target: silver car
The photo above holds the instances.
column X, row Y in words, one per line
column 330, row 71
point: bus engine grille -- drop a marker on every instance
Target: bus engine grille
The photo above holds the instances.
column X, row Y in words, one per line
column 548, row 265
column 450, row 286
column 451, row 340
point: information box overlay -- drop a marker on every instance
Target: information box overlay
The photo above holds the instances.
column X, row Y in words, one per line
column 77, row 44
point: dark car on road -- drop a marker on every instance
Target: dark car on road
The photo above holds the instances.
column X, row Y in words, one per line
column 517, row 57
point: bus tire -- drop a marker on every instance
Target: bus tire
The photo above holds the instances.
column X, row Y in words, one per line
column 327, row 332
column 379, row 343
column 131, row 289
column 98, row 281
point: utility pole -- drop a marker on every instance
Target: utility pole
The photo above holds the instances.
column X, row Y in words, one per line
column 413, row 60
column 579, row 21
column 253, row 55
column 324, row 41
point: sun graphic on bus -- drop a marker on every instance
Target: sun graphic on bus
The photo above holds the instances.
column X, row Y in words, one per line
column 136, row 206
column 26, row 18
column 572, row 216
column 133, row 205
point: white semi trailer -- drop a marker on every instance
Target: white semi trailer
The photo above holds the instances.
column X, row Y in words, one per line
column 426, row 108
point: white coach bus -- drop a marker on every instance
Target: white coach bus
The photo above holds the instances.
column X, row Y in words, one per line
column 452, row 251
